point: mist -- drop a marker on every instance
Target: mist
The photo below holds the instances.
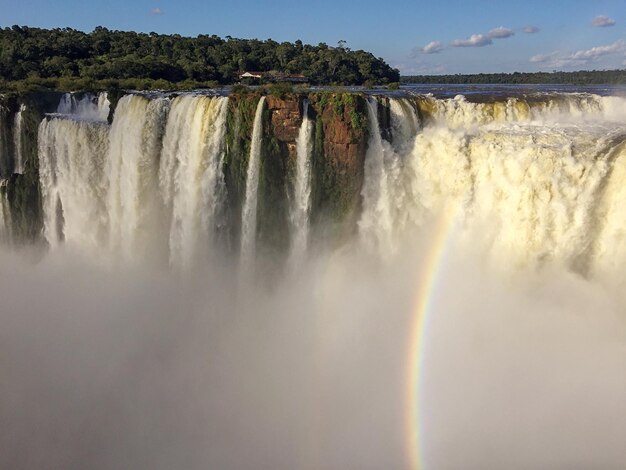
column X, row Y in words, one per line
column 107, row 366
column 130, row 368
column 524, row 371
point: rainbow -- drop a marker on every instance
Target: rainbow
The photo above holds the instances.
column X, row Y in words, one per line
column 426, row 294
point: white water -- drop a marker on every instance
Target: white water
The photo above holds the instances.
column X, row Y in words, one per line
column 404, row 124
column 88, row 106
column 539, row 180
column 301, row 201
column 72, row 157
column 248, row 216
column 460, row 113
column 135, row 218
column 533, row 192
column 375, row 220
column 17, row 141
column 190, row 176
column 150, row 185
column 382, row 168
column 530, row 192
column 5, row 157
column 5, row 216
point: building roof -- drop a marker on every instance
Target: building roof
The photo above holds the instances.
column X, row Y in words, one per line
column 273, row 74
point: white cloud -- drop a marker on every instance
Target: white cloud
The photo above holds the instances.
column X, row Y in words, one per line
column 543, row 58
column 432, row 47
column 598, row 51
column 602, row 21
column 530, row 29
column 475, row 40
column 156, row 11
column 579, row 58
column 500, row 33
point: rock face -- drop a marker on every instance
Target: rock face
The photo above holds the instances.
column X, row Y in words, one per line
column 339, row 151
column 286, row 118
column 22, row 190
column 339, row 147
column 339, row 156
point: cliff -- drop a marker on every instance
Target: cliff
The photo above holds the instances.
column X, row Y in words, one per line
column 339, row 147
column 21, row 190
column 339, row 144
column 341, row 131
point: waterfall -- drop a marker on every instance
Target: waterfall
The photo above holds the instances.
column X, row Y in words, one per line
column 539, row 180
column 459, row 113
column 133, row 204
column 99, row 183
column 535, row 182
column 17, row 141
column 249, row 222
column 103, row 106
column 73, row 181
column 5, row 151
column 404, row 124
column 301, row 201
column 531, row 192
column 5, row 216
column 88, row 106
column 66, row 103
column 609, row 247
column 375, row 225
column 150, row 185
column 190, row 175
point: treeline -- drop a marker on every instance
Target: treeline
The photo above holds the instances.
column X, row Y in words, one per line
column 593, row 77
column 54, row 57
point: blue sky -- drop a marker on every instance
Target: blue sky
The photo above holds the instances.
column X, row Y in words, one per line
column 445, row 36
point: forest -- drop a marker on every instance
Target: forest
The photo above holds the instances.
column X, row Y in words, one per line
column 592, row 77
column 65, row 58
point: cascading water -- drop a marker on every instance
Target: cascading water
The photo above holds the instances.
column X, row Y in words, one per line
column 459, row 113
column 301, row 201
column 135, row 213
column 608, row 250
column 150, row 184
column 541, row 175
column 249, row 222
column 531, row 183
column 382, row 168
column 190, row 176
column 5, row 216
column 17, row 141
column 72, row 161
column 88, row 106
column 5, row 149
column 404, row 124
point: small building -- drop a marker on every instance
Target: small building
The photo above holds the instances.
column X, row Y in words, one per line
column 271, row 76
column 251, row 75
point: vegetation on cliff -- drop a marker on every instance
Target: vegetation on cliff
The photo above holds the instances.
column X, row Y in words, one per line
column 339, row 145
column 22, row 190
column 104, row 59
